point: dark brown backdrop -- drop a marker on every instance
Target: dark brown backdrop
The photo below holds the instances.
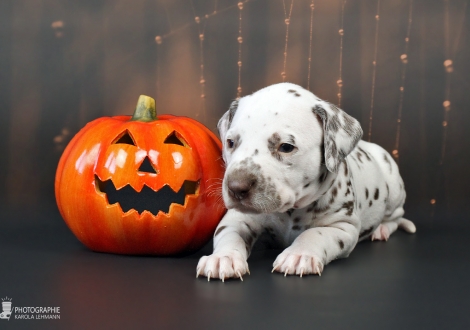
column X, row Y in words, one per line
column 64, row 63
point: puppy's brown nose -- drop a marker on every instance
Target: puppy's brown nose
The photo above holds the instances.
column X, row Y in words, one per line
column 240, row 188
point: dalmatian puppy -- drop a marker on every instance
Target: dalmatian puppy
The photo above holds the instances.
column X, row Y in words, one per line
column 297, row 169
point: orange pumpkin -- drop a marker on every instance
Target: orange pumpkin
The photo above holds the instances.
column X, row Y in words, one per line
column 141, row 185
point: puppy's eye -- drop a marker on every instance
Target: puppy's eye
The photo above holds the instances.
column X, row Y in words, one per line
column 286, row 148
column 230, row 143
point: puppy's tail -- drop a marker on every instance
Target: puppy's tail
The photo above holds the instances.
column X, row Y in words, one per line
column 407, row 225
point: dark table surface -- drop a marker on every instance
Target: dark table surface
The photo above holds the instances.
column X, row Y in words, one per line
column 419, row 281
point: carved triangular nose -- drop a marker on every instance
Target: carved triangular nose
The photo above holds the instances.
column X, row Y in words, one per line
column 147, row 166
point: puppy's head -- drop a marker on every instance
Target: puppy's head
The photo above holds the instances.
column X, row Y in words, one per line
column 280, row 144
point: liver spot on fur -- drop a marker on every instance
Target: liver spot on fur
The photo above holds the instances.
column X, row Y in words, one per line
column 273, row 143
column 341, row 244
column 219, row 230
column 349, row 206
column 365, row 153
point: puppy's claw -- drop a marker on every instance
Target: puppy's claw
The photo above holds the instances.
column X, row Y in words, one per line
column 239, row 275
column 301, row 272
column 318, row 269
column 285, row 274
column 208, row 276
column 274, row 269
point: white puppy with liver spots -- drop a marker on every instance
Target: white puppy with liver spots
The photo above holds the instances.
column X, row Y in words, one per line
column 298, row 170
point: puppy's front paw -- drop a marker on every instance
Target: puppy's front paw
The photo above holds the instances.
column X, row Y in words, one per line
column 300, row 263
column 222, row 265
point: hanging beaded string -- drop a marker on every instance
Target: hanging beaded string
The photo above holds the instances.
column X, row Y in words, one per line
column 449, row 68
column 404, row 63
column 339, row 82
column 240, row 41
column 287, row 17
column 312, row 8
column 158, row 40
column 201, row 23
column 374, row 69
column 202, row 80
column 158, row 87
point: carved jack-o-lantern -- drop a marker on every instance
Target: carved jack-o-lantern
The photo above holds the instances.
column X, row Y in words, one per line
column 141, row 185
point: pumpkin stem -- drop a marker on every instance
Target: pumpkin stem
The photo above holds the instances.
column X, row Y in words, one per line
column 145, row 109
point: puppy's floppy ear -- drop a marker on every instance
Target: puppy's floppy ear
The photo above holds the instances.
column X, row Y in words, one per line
column 341, row 133
column 226, row 120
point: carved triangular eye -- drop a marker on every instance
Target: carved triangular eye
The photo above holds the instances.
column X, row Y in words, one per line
column 175, row 138
column 125, row 138
column 147, row 166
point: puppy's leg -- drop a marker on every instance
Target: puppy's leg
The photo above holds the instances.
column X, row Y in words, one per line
column 233, row 240
column 384, row 230
column 316, row 247
column 390, row 225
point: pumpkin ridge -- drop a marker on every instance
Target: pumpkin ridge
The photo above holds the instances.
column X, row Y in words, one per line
column 74, row 142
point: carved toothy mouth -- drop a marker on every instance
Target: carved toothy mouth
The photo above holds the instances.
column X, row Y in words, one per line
column 147, row 199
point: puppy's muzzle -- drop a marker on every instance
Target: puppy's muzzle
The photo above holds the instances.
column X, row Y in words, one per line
column 241, row 184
